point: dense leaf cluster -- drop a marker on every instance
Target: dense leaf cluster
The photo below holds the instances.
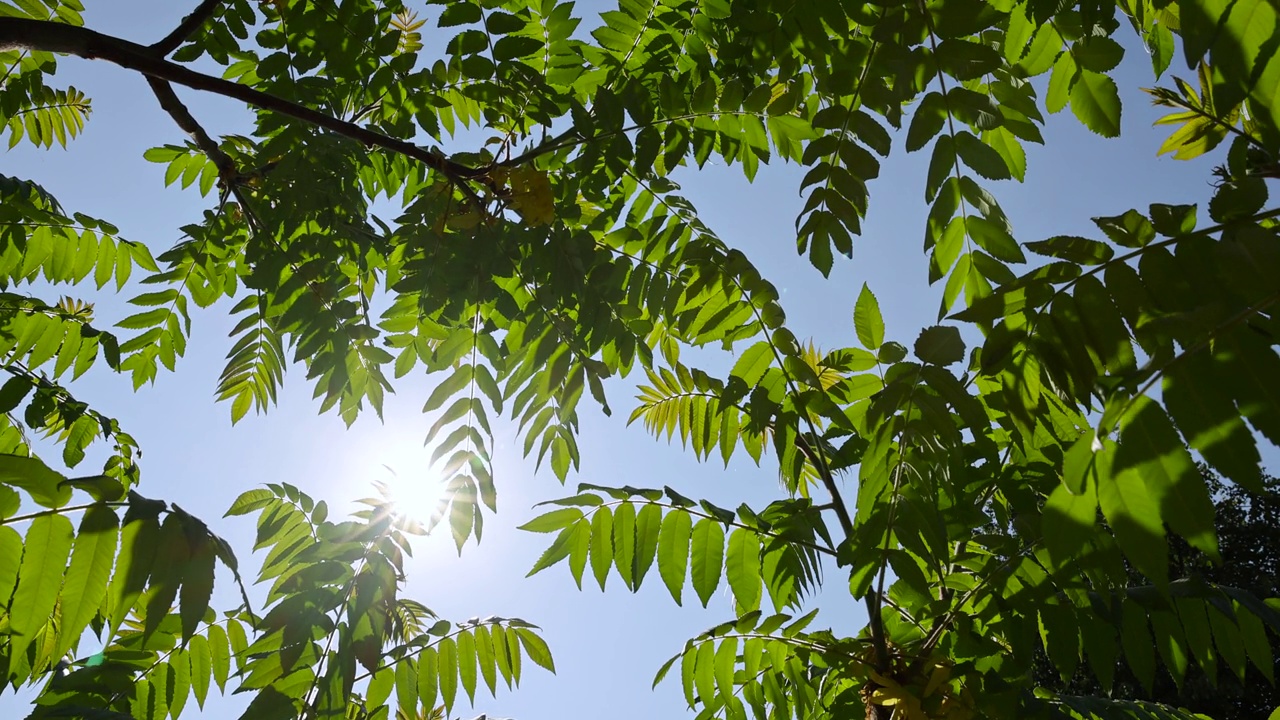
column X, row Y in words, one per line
column 1246, row 525
column 988, row 505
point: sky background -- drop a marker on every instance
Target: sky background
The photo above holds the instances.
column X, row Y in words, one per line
column 607, row 646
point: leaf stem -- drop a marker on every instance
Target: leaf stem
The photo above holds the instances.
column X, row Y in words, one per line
column 730, row 523
column 955, row 156
column 1264, row 215
column 59, row 511
column 409, row 656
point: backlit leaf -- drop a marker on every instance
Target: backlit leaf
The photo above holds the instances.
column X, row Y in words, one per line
column 673, row 551
column 707, row 549
column 867, row 320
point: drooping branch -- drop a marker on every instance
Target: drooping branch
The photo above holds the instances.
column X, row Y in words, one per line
column 42, row 36
column 169, row 101
column 189, row 25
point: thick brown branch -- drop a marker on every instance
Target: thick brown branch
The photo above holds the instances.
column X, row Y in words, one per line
column 38, row 35
column 189, row 25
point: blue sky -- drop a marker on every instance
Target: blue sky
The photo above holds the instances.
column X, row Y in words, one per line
column 608, row 646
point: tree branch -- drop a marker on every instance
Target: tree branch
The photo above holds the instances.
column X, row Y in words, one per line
column 169, row 101
column 189, row 25
column 55, row 37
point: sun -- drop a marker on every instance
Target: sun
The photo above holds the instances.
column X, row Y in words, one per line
column 392, row 462
column 415, row 490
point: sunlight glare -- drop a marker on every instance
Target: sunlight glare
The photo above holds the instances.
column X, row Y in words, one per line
column 412, row 484
column 415, row 492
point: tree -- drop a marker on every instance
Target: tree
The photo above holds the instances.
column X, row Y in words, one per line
column 535, row 265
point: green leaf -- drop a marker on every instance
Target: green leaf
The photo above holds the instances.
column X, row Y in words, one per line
column 1132, row 229
column 1252, row 372
column 1254, row 635
column 1099, row 54
column 249, row 501
column 45, row 486
column 536, row 648
column 1096, row 102
column 1137, row 521
column 940, row 345
column 1139, row 650
column 673, row 551
column 995, row 239
column 447, row 665
column 624, row 542
column 1073, row 249
column 553, row 521
column 1065, row 72
column 707, row 547
column 559, row 549
column 1152, row 453
column 1006, row 144
column 1173, row 220
column 85, row 585
column 47, row 547
column 742, row 569
column 966, row 60
column 10, row 560
column 704, row 672
column 467, row 663
column 406, row 684
column 102, row 488
column 485, row 656
column 197, row 586
column 270, row 704
column 1170, row 643
column 1060, row 637
column 891, row 352
column 1238, row 200
column 427, row 677
column 219, row 653
column 13, row 392
column 1195, row 623
column 1204, row 411
column 648, row 526
column 201, row 667
column 462, row 13
column 601, row 551
column 460, row 379
column 1069, row 520
column 867, row 320
column 1040, row 55
column 173, row 552
column 927, row 121
column 980, row 157
column 752, row 364
column 1226, row 635
column 138, row 540
column 515, row 46
column 580, row 547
